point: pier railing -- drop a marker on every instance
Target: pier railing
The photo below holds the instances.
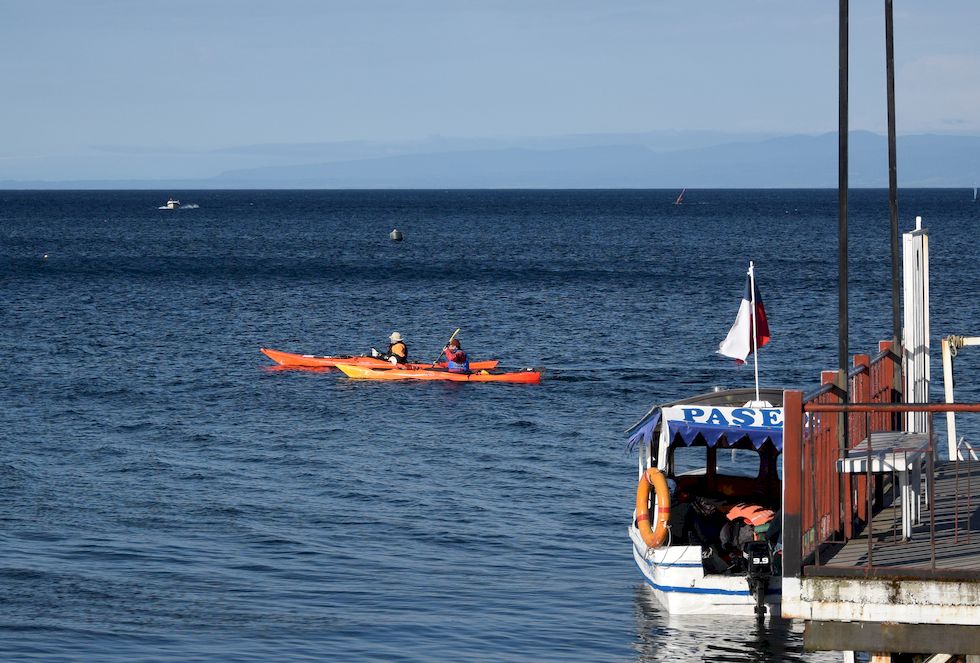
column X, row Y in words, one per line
column 837, row 482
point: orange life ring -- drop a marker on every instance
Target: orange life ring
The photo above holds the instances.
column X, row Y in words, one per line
column 655, row 534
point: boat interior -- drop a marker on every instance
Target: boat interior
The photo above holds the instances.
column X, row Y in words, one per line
column 732, row 499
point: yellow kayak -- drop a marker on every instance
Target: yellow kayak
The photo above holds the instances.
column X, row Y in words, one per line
column 398, row 373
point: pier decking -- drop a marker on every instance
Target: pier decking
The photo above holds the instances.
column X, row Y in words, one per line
column 946, row 540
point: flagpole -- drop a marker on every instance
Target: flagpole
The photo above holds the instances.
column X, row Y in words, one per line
column 755, row 334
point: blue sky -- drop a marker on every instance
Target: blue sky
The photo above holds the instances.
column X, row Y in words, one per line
column 143, row 77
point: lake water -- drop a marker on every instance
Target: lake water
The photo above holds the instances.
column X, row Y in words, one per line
column 165, row 495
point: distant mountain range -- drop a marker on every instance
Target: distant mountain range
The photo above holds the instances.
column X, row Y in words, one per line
column 661, row 160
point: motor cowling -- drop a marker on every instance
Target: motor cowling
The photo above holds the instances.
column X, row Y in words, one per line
column 758, row 558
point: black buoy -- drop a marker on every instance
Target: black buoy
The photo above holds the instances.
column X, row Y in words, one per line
column 396, row 235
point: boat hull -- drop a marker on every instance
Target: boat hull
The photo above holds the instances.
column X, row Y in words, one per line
column 291, row 360
column 678, row 582
column 361, row 373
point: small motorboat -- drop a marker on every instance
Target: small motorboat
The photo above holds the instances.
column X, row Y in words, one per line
column 172, row 203
column 706, row 530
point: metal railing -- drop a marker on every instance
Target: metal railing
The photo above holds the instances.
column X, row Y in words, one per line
column 827, row 504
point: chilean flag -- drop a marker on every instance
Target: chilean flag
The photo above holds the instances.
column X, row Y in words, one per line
column 738, row 343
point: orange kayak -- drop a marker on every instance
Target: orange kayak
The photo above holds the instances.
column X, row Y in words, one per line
column 310, row 361
column 362, row 373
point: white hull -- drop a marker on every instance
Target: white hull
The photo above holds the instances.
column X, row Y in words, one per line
column 677, row 579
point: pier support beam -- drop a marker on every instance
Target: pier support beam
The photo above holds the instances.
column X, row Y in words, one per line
column 889, row 637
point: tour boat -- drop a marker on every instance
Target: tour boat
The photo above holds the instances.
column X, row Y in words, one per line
column 707, row 523
column 172, row 203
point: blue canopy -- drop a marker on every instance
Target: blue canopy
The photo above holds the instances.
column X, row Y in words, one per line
column 644, row 433
column 726, row 436
column 713, row 425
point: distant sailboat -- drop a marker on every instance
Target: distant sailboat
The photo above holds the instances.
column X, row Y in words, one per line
column 974, row 194
column 680, row 198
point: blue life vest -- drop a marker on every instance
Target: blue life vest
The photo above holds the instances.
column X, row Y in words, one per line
column 458, row 367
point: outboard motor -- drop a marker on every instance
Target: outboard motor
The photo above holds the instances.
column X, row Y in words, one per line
column 759, row 562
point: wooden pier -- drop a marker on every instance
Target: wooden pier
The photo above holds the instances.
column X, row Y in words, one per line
column 879, row 556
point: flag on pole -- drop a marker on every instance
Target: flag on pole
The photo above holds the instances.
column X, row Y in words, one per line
column 739, row 342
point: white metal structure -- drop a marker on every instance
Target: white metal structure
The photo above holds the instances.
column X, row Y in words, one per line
column 894, row 452
column 915, row 257
column 951, row 346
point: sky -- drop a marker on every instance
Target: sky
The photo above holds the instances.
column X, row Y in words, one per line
column 123, row 80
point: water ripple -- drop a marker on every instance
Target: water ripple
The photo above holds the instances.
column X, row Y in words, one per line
column 167, row 495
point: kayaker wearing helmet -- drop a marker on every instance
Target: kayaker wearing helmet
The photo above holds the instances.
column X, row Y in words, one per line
column 397, row 350
column 456, row 360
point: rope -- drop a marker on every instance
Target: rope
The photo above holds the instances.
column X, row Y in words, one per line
column 955, row 343
column 647, row 554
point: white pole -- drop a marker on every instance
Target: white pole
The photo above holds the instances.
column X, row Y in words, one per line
column 951, row 446
column 755, row 335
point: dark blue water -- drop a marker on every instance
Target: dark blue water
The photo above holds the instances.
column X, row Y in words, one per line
column 165, row 496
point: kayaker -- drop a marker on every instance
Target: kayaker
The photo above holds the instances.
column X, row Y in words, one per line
column 456, row 360
column 397, row 350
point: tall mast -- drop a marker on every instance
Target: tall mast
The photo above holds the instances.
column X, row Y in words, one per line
column 893, row 179
column 842, row 196
column 755, row 329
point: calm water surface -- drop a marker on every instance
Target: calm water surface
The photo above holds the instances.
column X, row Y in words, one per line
column 165, row 495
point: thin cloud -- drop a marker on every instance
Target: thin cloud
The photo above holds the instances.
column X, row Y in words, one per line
column 940, row 91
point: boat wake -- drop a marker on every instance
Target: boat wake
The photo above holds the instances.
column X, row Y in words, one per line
column 177, row 206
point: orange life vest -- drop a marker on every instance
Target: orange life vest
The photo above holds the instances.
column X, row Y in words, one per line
column 753, row 514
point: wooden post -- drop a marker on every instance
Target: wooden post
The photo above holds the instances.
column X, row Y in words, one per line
column 792, row 483
column 839, row 380
column 862, row 384
column 863, row 390
column 843, row 442
column 897, row 386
